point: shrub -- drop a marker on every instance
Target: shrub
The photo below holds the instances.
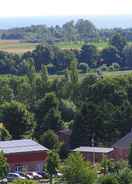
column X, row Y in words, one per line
column 125, row 176
column 116, row 66
column 84, row 67
column 111, row 68
column 3, row 165
column 49, row 139
column 107, row 180
column 77, row 170
column 19, row 181
column 104, row 67
column 52, row 164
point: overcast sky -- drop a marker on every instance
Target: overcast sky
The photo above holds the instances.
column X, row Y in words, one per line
column 13, row 8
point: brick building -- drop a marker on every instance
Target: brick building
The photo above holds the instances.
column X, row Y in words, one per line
column 121, row 147
column 24, row 155
column 94, row 154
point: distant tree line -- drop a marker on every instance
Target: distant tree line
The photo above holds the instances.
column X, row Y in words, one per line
column 117, row 55
column 70, row 31
column 81, row 30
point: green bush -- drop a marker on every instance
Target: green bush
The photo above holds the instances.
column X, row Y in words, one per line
column 125, row 176
column 103, row 67
column 107, row 180
column 83, row 67
column 77, row 170
column 20, row 181
column 116, row 66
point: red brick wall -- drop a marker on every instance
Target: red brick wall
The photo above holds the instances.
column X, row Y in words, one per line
column 98, row 156
column 30, row 161
column 26, row 157
column 119, row 154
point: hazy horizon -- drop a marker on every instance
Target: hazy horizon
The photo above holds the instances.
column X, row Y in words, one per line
column 124, row 21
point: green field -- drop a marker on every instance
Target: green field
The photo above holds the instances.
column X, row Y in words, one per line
column 18, row 47
column 15, row 46
column 77, row 45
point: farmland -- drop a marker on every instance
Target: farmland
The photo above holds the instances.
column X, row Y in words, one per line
column 15, row 46
column 18, row 47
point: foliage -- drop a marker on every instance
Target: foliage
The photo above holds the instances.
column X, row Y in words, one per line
column 76, row 170
column 3, row 166
column 63, row 151
column 107, row 180
column 52, row 164
column 130, row 156
column 48, row 114
column 88, row 54
column 4, row 133
column 110, row 55
column 127, row 51
column 17, row 119
column 70, row 31
column 125, row 176
column 49, row 139
column 118, row 41
column 84, row 67
column 25, row 181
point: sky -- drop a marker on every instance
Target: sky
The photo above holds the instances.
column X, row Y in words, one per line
column 21, row 8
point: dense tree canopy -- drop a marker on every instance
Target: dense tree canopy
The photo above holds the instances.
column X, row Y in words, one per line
column 17, row 119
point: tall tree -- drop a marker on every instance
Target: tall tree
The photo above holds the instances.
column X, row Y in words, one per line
column 48, row 114
column 44, row 75
column 17, row 119
column 118, row 41
column 52, row 164
column 111, row 55
column 88, row 54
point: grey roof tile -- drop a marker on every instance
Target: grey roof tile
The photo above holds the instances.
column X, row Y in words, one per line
column 93, row 149
column 124, row 142
column 18, row 146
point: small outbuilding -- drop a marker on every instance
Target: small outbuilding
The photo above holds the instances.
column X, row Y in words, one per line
column 24, row 155
column 94, row 154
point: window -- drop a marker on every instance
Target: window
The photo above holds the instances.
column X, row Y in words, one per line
column 19, row 168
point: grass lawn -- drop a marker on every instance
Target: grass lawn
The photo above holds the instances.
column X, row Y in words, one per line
column 18, row 47
column 77, row 45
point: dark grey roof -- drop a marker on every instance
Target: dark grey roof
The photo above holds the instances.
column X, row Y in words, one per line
column 18, row 146
column 124, row 142
column 65, row 131
column 93, row 149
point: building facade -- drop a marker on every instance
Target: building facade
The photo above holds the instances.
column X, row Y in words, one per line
column 94, row 154
column 24, row 155
column 121, row 147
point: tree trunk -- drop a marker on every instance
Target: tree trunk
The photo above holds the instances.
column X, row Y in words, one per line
column 51, row 180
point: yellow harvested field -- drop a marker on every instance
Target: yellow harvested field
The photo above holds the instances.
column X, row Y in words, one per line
column 15, row 46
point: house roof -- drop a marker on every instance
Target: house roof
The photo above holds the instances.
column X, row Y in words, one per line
column 65, row 131
column 21, row 146
column 124, row 142
column 93, row 149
